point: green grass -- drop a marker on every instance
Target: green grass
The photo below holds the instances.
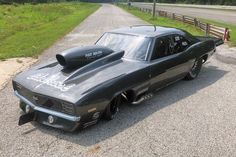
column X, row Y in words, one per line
column 27, row 30
column 162, row 21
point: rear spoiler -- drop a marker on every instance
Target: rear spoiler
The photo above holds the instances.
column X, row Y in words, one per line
column 218, row 41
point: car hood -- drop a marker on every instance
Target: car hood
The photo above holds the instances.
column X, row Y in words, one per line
column 70, row 85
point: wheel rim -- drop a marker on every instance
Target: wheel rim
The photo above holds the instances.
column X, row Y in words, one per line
column 114, row 107
column 194, row 70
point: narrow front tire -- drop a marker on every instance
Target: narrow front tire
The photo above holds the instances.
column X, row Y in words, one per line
column 112, row 108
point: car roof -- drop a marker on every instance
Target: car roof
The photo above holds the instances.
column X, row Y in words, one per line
column 146, row 30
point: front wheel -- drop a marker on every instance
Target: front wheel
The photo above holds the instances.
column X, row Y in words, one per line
column 112, row 108
column 195, row 70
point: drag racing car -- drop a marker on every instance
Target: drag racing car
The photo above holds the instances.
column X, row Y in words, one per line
column 85, row 84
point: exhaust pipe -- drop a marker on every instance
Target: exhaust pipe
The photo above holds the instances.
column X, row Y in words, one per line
column 143, row 98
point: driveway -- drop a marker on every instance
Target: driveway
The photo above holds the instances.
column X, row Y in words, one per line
column 188, row 118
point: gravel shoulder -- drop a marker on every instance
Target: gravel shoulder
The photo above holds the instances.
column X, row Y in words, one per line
column 195, row 118
column 226, row 54
column 10, row 67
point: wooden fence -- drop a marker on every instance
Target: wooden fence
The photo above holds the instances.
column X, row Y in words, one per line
column 208, row 28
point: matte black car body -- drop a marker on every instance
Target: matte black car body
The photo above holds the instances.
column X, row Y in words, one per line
column 77, row 97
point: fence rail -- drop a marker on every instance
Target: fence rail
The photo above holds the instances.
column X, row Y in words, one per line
column 208, row 28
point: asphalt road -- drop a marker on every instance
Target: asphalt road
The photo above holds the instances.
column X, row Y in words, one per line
column 195, row 118
column 204, row 13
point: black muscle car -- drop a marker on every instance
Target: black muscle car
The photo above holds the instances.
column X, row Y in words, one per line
column 87, row 83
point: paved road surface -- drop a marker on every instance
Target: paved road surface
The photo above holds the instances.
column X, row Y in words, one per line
column 194, row 118
column 211, row 14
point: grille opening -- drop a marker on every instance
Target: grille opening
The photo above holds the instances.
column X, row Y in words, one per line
column 67, row 108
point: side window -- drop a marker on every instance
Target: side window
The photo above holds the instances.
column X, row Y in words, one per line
column 160, row 48
column 179, row 43
column 168, row 45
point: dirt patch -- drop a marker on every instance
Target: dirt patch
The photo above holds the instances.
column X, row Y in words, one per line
column 11, row 67
column 95, row 149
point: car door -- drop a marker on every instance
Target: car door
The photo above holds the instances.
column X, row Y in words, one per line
column 168, row 62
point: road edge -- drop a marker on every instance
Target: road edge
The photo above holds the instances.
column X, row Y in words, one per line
column 214, row 7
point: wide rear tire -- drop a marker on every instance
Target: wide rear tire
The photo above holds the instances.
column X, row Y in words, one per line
column 195, row 70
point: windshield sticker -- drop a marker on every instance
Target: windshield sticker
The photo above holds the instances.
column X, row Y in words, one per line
column 46, row 79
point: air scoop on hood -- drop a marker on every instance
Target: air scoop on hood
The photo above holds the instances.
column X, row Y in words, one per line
column 80, row 56
column 102, row 62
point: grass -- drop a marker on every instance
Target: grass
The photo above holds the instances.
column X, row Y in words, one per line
column 27, row 30
column 162, row 21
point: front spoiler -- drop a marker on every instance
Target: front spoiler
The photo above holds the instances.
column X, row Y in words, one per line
column 26, row 118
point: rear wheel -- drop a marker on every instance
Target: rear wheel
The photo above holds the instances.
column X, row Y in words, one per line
column 113, row 108
column 195, row 70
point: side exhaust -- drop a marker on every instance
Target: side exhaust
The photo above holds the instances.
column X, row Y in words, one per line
column 143, row 98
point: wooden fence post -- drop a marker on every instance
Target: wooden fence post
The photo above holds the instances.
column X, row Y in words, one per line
column 195, row 22
column 226, row 34
column 207, row 29
column 173, row 16
column 183, row 19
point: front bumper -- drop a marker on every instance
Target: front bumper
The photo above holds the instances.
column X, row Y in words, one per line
column 61, row 120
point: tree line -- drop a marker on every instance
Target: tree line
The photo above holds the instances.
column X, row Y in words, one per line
column 32, row 1
column 209, row 2
column 49, row 1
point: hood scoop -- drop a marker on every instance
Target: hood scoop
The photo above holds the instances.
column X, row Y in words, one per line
column 116, row 56
column 81, row 56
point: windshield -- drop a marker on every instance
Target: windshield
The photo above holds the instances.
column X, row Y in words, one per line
column 135, row 47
